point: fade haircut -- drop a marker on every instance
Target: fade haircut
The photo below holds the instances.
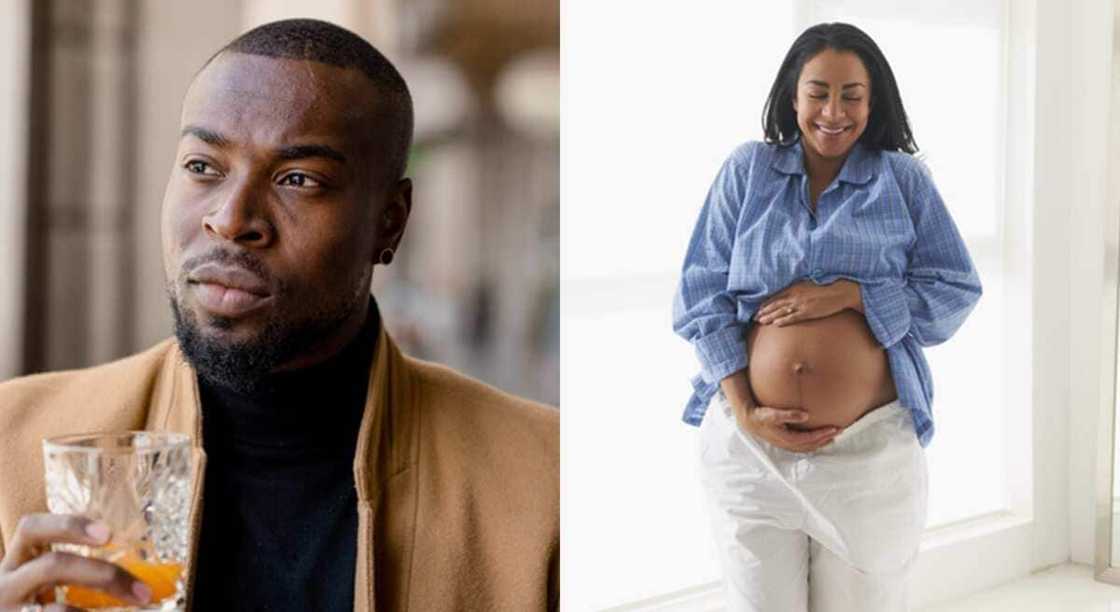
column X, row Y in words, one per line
column 327, row 43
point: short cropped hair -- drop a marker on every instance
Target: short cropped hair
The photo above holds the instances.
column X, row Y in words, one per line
column 887, row 127
column 327, row 43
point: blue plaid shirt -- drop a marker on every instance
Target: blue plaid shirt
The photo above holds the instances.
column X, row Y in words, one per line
column 881, row 223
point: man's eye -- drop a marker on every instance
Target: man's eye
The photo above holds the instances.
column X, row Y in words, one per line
column 299, row 179
column 200, row 167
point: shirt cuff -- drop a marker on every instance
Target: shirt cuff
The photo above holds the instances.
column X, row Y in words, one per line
column 722, row 353
column 886, row 310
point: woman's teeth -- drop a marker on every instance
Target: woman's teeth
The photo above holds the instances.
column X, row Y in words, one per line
column 832, row 131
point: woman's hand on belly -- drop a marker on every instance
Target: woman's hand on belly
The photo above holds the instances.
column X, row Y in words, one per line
column 805, row 301
column 774, row 426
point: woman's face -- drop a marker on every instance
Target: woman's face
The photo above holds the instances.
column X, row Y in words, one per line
column 833, row 103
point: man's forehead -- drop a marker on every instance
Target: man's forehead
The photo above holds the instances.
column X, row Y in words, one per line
column 279, row 98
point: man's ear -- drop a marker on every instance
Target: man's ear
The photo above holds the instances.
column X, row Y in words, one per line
column 394, row 218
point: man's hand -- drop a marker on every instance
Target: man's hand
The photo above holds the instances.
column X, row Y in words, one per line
column 28, row 570
column 770, row 424
column 805, row 300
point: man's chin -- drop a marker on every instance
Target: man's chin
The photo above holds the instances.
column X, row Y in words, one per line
column 232, row 353
column 227, row 329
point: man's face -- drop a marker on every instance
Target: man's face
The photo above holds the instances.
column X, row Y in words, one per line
column 277, row 206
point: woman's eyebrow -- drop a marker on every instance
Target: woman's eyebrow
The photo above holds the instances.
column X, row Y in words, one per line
column 825, row 84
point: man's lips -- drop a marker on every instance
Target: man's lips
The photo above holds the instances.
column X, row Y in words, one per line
column 228, row 291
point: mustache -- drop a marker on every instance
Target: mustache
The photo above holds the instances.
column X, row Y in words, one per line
column 242, row 259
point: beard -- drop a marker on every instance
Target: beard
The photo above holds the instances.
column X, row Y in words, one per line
column 244, row 366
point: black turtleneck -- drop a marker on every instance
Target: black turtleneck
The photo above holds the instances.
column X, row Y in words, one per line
column 280, row 514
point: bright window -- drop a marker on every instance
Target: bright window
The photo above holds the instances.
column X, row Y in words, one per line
column 954, row 98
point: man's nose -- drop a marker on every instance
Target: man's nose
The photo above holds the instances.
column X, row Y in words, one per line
column 240, row 217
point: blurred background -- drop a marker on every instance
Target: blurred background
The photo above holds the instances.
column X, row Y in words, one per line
column 89, row 116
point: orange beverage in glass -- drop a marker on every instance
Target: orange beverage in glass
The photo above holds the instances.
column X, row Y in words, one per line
column 139, row 484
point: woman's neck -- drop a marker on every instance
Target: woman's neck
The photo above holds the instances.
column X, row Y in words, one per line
column 822, row 170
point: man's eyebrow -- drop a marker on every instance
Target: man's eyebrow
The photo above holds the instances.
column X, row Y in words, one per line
column 311, row 150
column 286, row 153
column 205, row 135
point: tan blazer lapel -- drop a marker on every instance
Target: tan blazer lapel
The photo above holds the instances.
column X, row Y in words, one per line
column 385, row 484
column 176, row 407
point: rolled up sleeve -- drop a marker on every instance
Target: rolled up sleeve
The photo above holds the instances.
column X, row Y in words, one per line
column 704, row 311
column 941, row 286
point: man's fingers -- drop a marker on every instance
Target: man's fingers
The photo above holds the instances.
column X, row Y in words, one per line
column 61, row 608
column 36, row 531
column 56, row 568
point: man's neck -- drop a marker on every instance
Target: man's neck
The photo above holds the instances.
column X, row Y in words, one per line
column 329, row 346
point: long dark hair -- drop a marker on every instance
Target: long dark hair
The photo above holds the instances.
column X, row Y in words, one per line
column 887, row 127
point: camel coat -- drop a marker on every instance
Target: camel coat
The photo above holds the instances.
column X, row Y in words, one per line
column 457, row 482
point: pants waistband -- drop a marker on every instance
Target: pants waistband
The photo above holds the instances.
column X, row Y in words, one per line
column 889, row 410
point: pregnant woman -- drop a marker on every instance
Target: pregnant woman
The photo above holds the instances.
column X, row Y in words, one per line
column 823, row 261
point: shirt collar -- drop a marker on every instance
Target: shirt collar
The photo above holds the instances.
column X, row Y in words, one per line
column 858, row 168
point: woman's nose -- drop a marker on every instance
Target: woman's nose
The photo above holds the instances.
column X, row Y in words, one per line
column 832, row 108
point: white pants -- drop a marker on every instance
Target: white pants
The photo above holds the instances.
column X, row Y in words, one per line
column 834, row 530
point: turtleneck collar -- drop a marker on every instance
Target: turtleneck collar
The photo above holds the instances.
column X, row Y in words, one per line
column 315, row 410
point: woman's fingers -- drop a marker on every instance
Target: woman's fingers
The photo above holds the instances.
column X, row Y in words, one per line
column 774, row 421
column 789, row 319
column 775, row 307
column 779, row 416
column 35, row 532
column 56, row 568
column 783, row 312
column 805, row 441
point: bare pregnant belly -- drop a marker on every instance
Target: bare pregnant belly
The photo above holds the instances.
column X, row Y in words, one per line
column 831, row 367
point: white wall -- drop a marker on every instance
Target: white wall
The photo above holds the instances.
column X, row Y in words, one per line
column 15, row 40
column 1087, row 102
column 1053, row 176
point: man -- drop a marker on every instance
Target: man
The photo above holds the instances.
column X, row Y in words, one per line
column 403, row 484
